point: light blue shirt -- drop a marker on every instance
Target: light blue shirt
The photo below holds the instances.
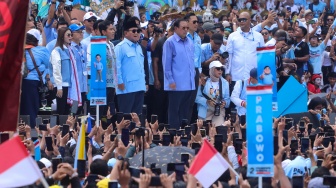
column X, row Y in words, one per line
column 50, row 33
column 201, row 101
column 86, row 35
column 316, row 57
column 317, row 9
column 268, row 79
column 197, row 46
column 130, row 67
column 99, row 66
column 80, row 58
column 41, row 56
column 178, row 63
column 207, row 51
column 149, row 60
column 51, row 45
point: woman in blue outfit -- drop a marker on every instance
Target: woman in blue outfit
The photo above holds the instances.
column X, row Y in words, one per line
column 30, row 98
column 213, row 97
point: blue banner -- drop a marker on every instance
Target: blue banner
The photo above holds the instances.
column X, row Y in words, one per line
column 267, row 71
column 259, row 134
column 98, row 71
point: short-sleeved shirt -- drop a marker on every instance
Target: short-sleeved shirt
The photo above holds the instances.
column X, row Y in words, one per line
column 317, row 9
column 157, row 53
column 316, row 57
column 300, row 50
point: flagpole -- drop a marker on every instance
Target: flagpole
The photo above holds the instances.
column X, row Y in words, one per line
column 233, row 170
column 44, row 182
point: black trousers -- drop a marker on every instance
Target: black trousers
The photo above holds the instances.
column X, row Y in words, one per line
column 30, row 100
column 179, row 107
column 131, row 102
column 325, row 71
column 148, row 100
column 193, row 106
column 160, row 103
column 62, row 106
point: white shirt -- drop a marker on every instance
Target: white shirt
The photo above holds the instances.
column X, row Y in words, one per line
column 236, row 98
column 271, row 42
column 326, row 59
column 55, row 60
column 243, row 54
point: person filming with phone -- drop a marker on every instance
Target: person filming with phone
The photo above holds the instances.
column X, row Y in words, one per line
column 213, row 97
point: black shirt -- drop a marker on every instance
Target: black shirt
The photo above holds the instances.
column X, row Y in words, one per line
column 301, row 50
column 158, row 54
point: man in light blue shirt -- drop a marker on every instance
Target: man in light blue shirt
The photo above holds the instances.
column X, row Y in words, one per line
column 193, row 36
column 130, row 70
column 211, row 52
column 317, row 7
column 316, row 52
column 80, row 57
column 179, row 73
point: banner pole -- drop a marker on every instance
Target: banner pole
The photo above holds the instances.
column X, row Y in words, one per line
column 97, row 113
column 260, row 182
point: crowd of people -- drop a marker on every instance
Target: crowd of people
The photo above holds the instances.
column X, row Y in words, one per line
column 182, row 75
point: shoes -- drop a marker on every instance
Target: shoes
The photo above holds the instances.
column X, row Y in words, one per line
column 101, row 80
column 96, row 80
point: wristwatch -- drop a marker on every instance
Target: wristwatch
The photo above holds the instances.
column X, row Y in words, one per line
column 120, row 158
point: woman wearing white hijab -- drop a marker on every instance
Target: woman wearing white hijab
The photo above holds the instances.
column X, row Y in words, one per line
column 213, row 97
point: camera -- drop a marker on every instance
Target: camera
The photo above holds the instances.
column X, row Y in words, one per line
column 225, row 55
column 217, row 109
column 68, row 7
column 158, row 30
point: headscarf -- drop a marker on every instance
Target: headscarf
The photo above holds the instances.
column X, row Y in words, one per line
column 212, row 75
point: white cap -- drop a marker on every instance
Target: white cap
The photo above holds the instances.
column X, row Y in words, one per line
column 226, row 23
column 36, row 33
column 215, row 64
column 89, row 15
column 46, row 162
column 97, row 157
column 143, row 24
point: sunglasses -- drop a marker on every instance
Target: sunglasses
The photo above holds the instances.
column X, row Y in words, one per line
column 195, row 22
column 330, row 19
column 135, row 30
column 242, row 19
column 220, row 69
column 69, row 35
column 185, row 28
column 264, row 33
column 91, row 20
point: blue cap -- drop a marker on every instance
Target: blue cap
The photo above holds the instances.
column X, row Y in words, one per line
column 75, row 27
column 253, row 73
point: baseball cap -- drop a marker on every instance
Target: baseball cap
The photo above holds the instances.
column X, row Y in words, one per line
column 215, row 64
column 253, row 73
column 46, row 162
column 36, row 33
column 209, row 27
column 308, row 11
column 75, row 27
column 217, row 38
column 226, row 24
column 89, row 15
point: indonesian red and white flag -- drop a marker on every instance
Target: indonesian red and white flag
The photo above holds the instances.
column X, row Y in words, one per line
column 208, row 165
column 17, row 167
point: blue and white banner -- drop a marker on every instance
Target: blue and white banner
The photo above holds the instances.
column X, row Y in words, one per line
column 259, row 134
column 98, row 71
column 267, row 71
